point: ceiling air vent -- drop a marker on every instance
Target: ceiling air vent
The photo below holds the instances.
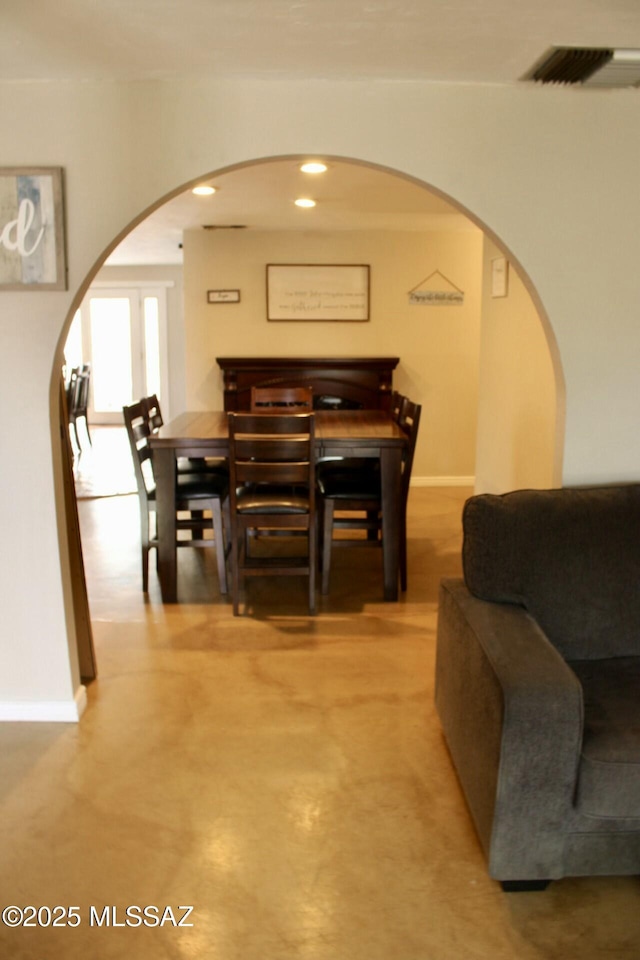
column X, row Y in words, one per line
column 591, row 67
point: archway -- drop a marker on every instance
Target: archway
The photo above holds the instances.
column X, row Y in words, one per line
column 202, row 391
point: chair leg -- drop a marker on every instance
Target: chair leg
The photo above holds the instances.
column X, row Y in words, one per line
column 235, row 571
column 75, row 430
column 218, row 533
column 327, row 536
column 227, row 531
column 226, row 513
column 145, row 569
column 144, row 542
column 86, row 423
column 403, row 554
column 313, row 558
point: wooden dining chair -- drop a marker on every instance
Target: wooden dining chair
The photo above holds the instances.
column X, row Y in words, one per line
column 195, row 493
column 155, row 420
column 348, row 489
column 70, row 390
column 289, row 399
column 272, row 488
column 78, row 400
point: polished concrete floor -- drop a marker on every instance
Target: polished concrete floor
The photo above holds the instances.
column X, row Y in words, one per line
column 284, row 776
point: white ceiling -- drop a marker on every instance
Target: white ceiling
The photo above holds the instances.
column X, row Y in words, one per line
column 466, row 41
column 348, row 196
column 454, row 41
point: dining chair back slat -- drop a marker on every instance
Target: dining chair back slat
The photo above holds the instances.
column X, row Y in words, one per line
column 395, row 405
column 153, row 412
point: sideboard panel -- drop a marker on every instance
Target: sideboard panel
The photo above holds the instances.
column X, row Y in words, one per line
column 363, row 382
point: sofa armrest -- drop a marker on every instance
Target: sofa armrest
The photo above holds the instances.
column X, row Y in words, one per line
column 511, row 711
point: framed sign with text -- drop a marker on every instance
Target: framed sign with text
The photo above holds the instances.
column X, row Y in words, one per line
column 223, row 296
column 317, row 291
column 32, row 243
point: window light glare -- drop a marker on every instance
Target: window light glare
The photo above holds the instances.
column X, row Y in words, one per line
column 203, row 190
column 313, row 166
column 305, row 202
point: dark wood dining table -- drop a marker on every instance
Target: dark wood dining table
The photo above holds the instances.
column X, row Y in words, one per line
column 371, row 434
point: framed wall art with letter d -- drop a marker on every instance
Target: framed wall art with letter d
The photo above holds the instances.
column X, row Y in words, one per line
column 32, row 243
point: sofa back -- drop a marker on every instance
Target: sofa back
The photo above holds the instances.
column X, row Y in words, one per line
column 571, row 557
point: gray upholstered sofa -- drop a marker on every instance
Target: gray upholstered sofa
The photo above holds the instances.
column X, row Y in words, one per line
column 538, row 680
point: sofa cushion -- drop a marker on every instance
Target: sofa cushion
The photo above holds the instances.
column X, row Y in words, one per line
column 609, row 771
column 571, row 557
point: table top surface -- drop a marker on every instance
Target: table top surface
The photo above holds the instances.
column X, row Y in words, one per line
column 348, row 426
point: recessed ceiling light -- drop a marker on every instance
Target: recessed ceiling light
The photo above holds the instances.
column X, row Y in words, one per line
column 305, row 202
column 203, row 190
column 314, row 166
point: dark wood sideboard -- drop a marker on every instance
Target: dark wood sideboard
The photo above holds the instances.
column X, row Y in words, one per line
column 356, row 382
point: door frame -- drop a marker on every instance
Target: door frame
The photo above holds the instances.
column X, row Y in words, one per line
column 143, row 288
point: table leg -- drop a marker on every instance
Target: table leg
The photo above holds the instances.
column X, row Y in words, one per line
column 390, row 472
column 164, row 468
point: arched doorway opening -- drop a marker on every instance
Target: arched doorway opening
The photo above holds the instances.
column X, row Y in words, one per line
column 455, row 358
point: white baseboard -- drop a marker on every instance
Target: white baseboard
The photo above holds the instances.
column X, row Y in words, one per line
column 443, row 481
column 46, row 711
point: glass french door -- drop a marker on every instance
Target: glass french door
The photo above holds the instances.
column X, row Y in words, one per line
column 121, row 332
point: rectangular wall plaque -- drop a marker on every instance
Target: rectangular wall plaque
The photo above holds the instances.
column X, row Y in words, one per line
column 318, row 291
column 441, row 298
column 223, row 296
column 499, row 277
column 32, row 242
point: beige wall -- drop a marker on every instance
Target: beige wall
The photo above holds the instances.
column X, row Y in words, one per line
column 517, row 408
column 438, row 346
column 535, row 165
